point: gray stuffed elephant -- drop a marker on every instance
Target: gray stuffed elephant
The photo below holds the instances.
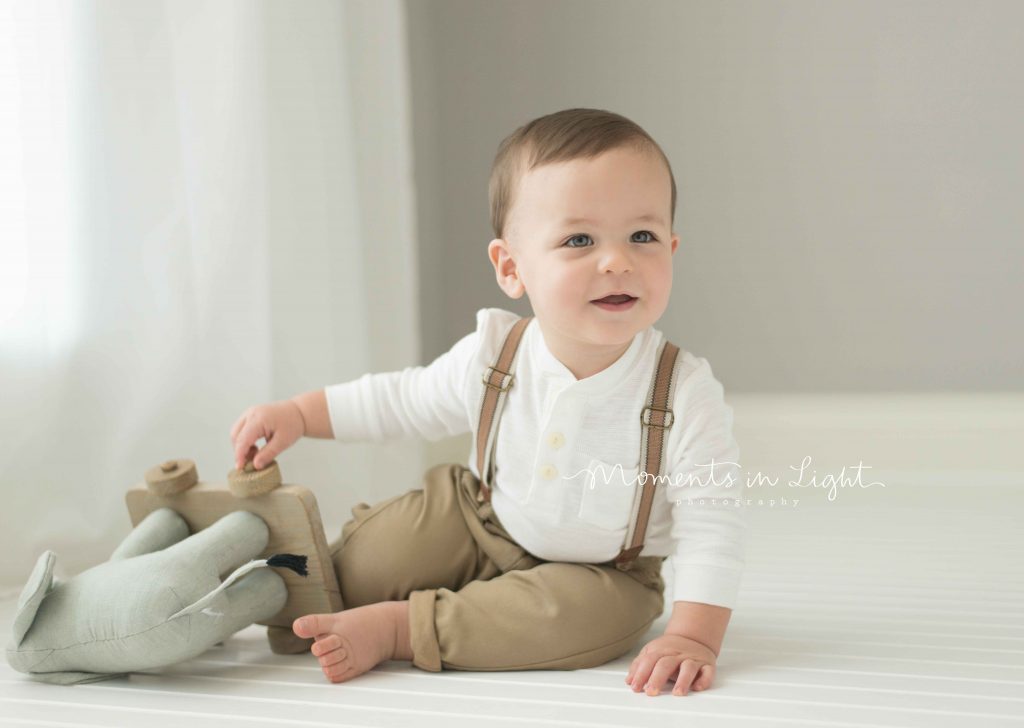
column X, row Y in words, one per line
column 157, row 601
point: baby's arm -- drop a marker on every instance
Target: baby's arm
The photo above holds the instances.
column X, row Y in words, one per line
column 704, row 623
column 703, row 465
column 313, row 406
column 418, row 401
column 360, row 405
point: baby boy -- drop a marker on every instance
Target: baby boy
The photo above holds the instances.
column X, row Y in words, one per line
column 582, row 207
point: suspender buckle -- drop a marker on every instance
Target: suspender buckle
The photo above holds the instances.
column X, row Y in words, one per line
column 624, row 561
column 499, row 387
column 668, row 416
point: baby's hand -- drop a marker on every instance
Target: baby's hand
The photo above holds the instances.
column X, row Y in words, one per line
column 279, row 423
column 672, row 657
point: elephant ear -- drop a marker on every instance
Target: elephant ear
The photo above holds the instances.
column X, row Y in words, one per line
column 36, row 588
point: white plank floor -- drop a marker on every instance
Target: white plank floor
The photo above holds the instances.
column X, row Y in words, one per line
column 894, row 607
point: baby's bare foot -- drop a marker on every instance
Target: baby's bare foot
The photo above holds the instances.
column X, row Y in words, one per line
column 350, row 642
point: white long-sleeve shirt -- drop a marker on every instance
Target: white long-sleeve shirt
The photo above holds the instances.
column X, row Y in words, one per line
column 557, row 433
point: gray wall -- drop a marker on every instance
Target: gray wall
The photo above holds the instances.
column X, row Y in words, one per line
column 849, row 174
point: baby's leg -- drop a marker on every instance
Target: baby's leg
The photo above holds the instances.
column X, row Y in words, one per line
column 554, row 616
column 425, row 538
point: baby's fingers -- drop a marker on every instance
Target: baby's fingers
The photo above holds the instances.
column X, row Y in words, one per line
column 687, row 671
column 634, row 666
column 640, row 675
column 235, row 428
column 249, row 455
column 704, row 678
column 246, row 443
column 662, row 669
column 268, row 452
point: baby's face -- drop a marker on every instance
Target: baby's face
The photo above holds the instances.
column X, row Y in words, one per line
column 620, row 241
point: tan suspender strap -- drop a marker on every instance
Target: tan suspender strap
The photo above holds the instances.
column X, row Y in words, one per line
column 495, row 389
column 656, row 419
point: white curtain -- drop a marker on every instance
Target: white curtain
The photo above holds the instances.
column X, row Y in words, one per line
column 203, row 206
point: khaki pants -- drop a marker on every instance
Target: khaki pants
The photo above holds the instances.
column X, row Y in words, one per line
column 477, row 599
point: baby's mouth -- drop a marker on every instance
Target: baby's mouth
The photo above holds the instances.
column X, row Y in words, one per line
column 618, row 298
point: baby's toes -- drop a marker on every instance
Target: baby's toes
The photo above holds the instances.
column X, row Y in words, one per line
column 325, row 644
column 339, row 671
column 333, row 657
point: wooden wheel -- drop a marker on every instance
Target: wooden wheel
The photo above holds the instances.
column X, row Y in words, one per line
column 172, row 477
column 249, row 481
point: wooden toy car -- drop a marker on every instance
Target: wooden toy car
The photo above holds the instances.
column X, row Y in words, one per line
column 290, row 511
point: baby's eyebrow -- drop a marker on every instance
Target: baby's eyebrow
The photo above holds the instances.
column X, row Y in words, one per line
column 643, row 218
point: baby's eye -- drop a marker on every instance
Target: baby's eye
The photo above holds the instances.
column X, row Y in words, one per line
column 568, row 243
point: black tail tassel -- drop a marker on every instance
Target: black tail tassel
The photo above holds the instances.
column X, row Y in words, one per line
column 295, row 562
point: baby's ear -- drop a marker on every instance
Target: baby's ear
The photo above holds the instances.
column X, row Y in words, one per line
column 505, row 269
column 37, row 587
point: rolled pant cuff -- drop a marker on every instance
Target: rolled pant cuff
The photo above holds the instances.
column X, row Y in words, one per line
column 426, row 652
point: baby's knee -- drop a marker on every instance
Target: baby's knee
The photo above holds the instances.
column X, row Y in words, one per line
column 379, row 569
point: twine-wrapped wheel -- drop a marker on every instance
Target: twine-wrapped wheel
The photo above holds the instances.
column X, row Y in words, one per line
column 250, row 482
column 172, row 477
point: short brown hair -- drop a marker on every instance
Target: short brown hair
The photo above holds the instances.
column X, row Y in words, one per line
column 560, row 137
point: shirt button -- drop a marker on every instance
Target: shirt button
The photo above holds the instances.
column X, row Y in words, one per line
column 556, row 439
column 548, row 472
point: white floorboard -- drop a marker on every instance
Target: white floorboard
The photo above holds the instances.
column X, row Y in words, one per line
column 894, row 607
